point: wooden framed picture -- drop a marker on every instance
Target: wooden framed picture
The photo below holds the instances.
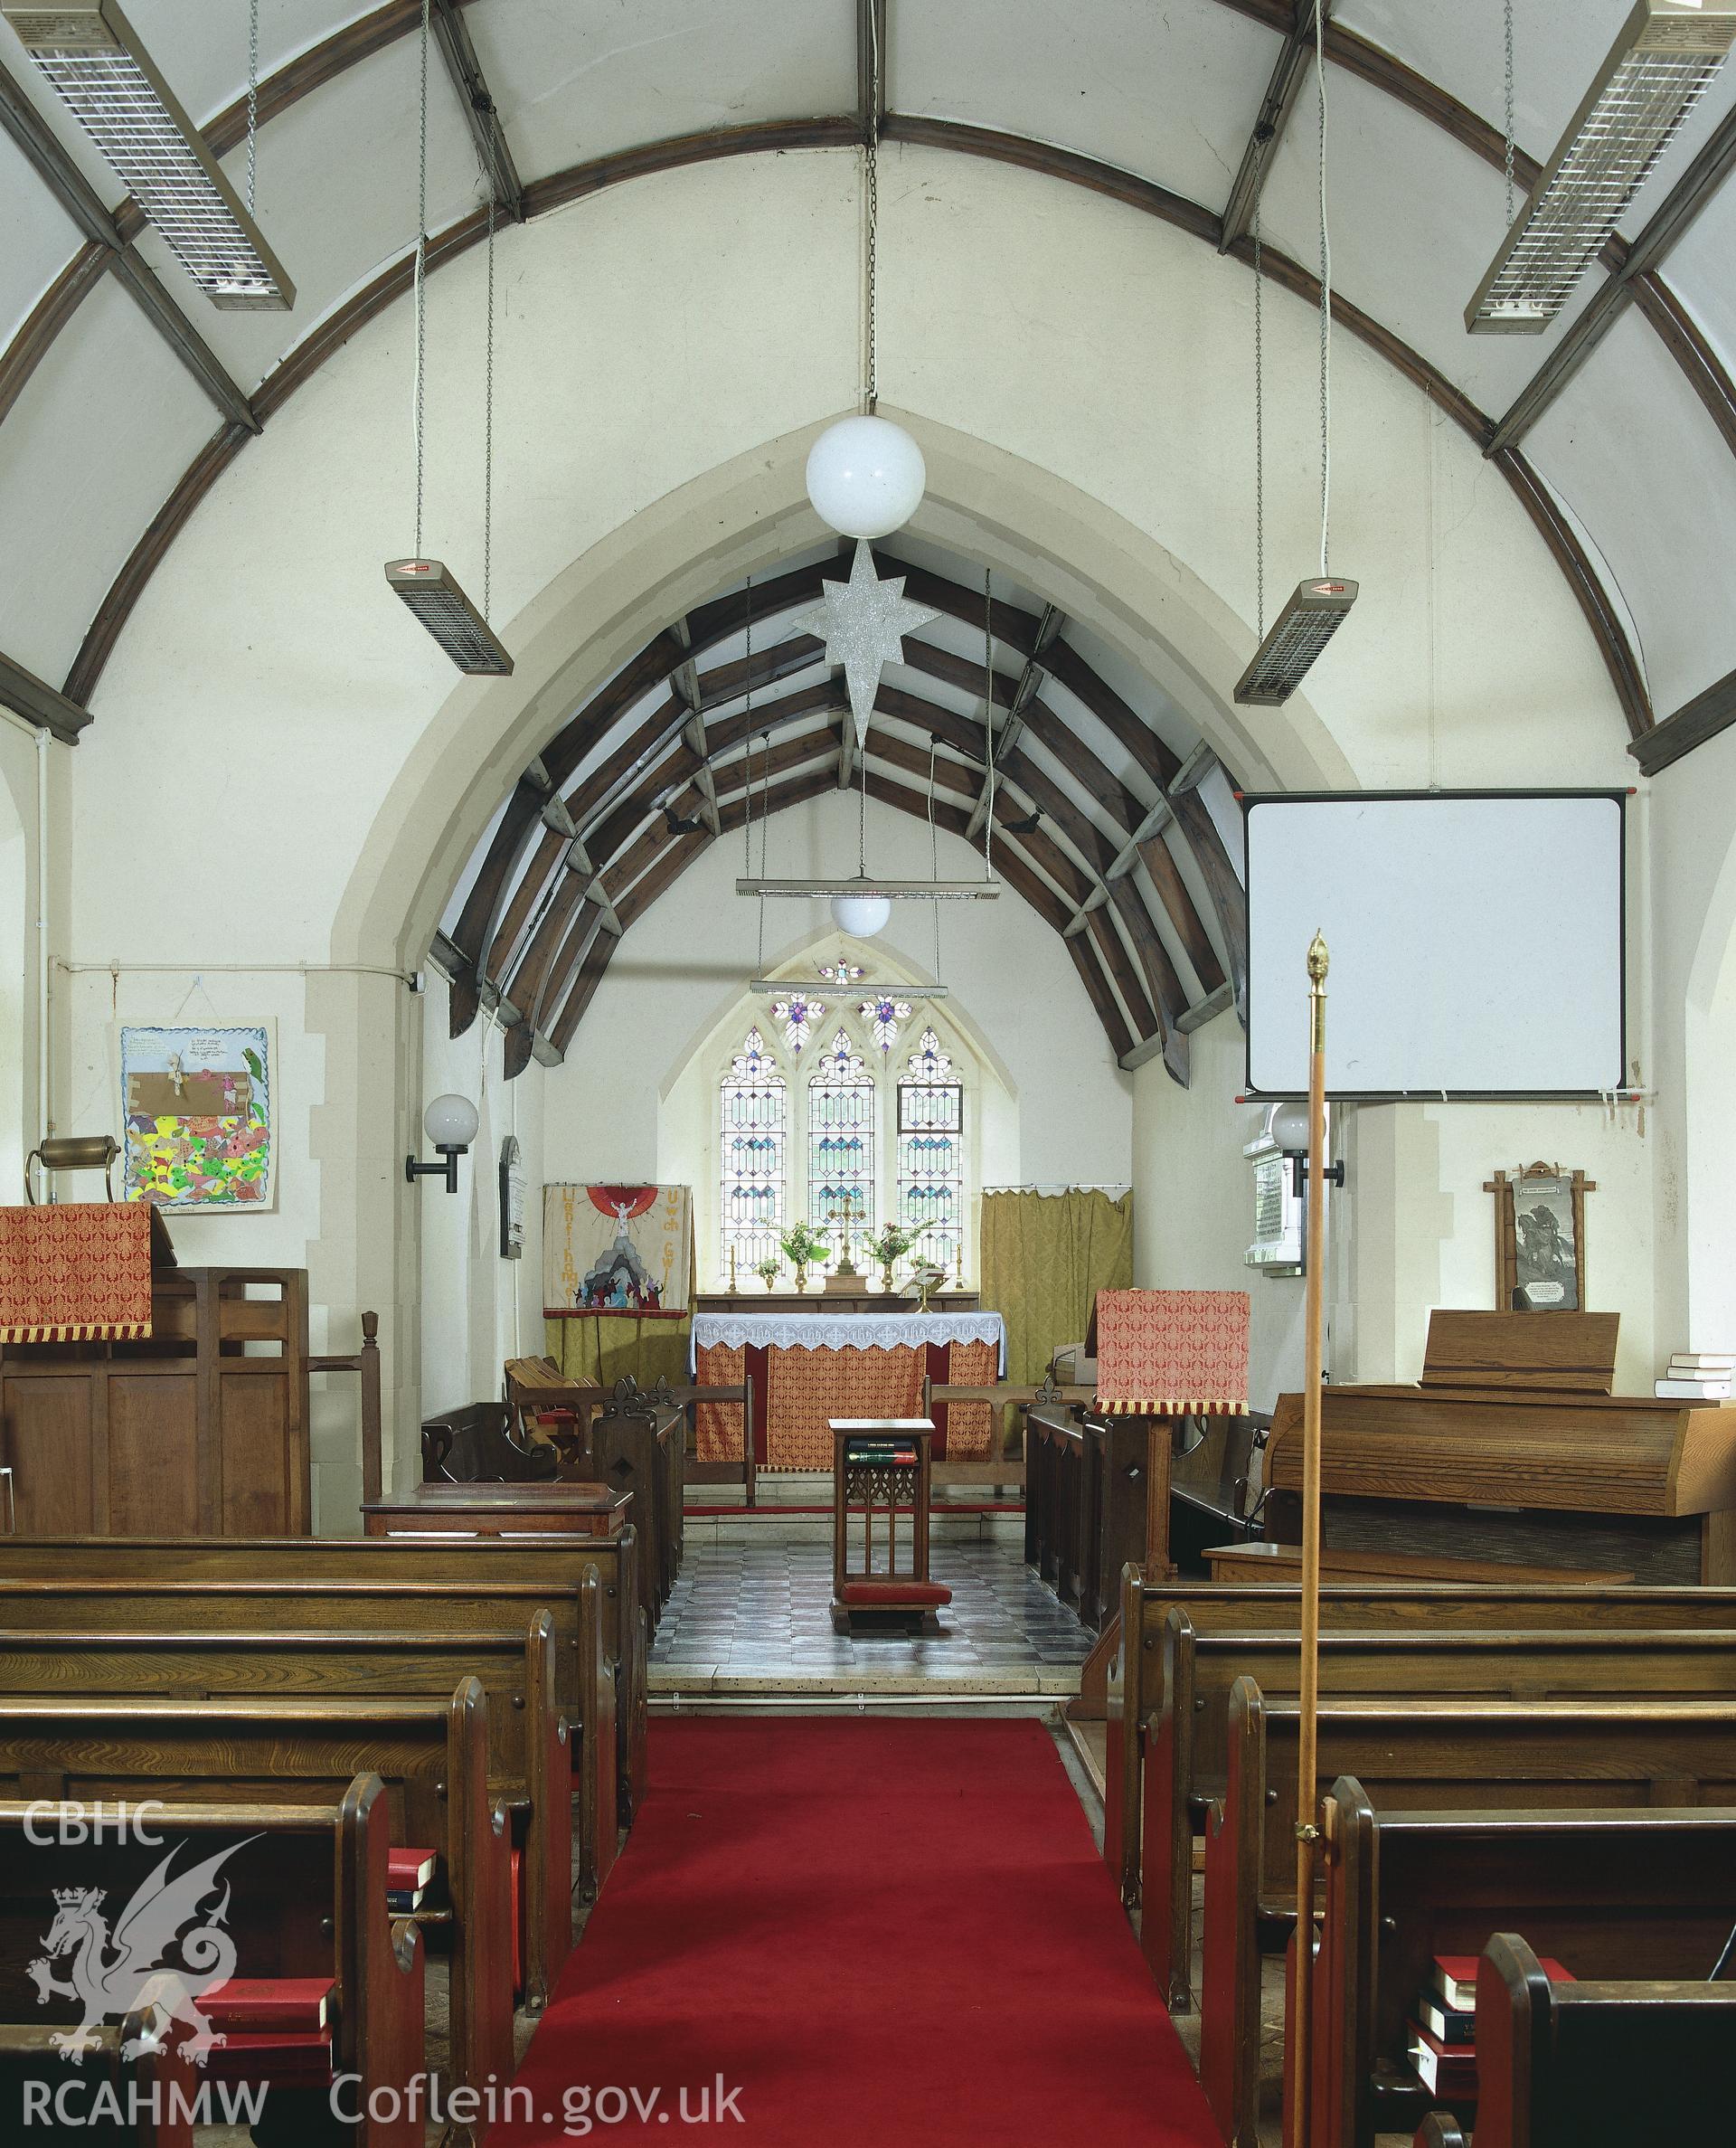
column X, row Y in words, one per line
column 1540, row 1238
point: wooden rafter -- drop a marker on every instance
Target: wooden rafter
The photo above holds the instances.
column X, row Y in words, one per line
column 871, row 35
column 27, row 696
column 42, row 149
column 565, row 960
column 1674, row 217
column 494, row 152
column 1289, row 73
column 303, row 359
column 1709, row 712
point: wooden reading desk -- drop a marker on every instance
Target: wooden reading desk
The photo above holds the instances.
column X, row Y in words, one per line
column 1512, row 1448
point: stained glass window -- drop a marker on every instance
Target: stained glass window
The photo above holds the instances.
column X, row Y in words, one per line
column 932, row 1156
column 873, row 1128
column 798, row 1016
column 754, row 1129
column 841, row 1111
column 884, row 1016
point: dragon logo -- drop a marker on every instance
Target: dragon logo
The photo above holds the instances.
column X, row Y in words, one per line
column 166, row 1951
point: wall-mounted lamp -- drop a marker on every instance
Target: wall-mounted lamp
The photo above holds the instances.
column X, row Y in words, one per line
column 450, row 1122
column 72, row 1152
column 1290, row 1129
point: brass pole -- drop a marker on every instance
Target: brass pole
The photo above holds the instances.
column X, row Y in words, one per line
column 1306, row 1828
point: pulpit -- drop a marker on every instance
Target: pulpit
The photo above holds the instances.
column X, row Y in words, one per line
column 138, row 1398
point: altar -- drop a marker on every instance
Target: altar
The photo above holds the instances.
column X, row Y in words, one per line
column 811, row 1365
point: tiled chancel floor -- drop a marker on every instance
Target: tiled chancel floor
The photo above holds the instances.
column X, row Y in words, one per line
column 758, row 1604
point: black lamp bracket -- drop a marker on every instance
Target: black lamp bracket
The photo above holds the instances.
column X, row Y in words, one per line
column 1334, row 1173
column 449, row 1169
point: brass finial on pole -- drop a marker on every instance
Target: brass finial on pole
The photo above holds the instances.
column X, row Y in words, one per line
column 1307, row 1830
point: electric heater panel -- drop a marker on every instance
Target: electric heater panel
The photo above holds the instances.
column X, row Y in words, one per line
column 1476, row 940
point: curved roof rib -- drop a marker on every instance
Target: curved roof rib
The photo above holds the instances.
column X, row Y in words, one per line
column 1634, row 278
column 576, row 857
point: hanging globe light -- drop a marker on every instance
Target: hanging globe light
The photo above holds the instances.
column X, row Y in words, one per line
column 865, row 477
column 861, row 916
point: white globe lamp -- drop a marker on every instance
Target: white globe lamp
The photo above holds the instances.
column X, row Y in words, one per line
column 450, row 1123
column 862, row 916
column 865, row 477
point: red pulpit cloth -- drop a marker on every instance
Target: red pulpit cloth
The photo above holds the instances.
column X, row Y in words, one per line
column 1172, row 1353
column 76, row 1274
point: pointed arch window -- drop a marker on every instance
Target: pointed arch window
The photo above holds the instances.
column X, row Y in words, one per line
column 754, row 1144
column 841, row 1114
column 846, row 1116
column 931, row 1155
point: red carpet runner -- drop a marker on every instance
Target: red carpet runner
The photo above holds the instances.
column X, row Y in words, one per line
column 880, row 1934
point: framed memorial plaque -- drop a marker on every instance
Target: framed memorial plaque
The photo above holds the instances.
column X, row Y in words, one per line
column 1540, row 1238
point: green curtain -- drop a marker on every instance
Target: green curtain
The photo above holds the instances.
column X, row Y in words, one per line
column 1044, row 1258
column 600, row 1351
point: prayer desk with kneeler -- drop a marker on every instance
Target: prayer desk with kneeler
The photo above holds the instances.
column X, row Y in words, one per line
column 880, row 1472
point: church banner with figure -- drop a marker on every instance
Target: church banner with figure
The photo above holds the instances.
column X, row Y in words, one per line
column 620, row 1251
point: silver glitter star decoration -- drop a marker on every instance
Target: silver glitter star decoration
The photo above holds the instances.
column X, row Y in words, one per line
column 864, row 622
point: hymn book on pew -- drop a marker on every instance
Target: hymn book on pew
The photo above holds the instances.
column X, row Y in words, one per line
column 407, row 1873
column 261, row 2005
column 1443, row 2037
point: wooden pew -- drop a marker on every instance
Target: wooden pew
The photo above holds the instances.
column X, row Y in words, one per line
column 155, row 2090
column 585, row 1695
column 553, row 1567
column 1601, row 2064
column 1186, row 1739
column 432, row 1755
column 308, row 1900
column 1648, row 1895
column 529, row 1765
column 618, row 1436
column 1133, row 1683
column 1499, row 1757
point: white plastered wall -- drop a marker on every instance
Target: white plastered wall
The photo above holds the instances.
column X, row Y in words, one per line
column 283, row 770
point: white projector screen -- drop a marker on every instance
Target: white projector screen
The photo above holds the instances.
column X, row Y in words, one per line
column 1476, row 942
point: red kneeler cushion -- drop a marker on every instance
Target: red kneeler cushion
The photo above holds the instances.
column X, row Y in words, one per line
column 895, row 1595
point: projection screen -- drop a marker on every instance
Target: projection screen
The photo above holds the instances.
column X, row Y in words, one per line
column 1476, row 941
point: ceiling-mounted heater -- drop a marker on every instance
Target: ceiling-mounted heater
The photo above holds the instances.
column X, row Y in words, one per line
column 430, row 591
column 1295, row 638
column 1318, row 607
column 92, row 57
column 433, row 595
column 1656, row 74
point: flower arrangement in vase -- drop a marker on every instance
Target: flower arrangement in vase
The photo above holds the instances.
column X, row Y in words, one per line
column 803, row 1245
column 890, row 1244
column 768, row 1271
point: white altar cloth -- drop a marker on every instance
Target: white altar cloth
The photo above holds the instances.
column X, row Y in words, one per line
column 844, row 1331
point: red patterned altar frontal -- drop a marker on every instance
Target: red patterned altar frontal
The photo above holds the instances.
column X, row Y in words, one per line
column 798, row 1391
column 1164, row 1353
column 78, row 1274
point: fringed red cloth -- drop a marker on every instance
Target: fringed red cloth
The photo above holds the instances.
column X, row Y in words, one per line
column 80, row 1273
column 1172, row 1353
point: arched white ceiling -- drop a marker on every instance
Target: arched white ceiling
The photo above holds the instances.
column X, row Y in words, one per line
column 101, row 420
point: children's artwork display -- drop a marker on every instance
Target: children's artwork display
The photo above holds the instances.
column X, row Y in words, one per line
column 196, row 1106
column 620, row 1250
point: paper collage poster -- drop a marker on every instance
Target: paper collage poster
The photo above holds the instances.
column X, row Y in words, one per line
column 196, row 1106
column 625, row 1251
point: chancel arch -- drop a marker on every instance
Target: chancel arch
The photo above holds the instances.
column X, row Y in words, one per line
column 569, row 1295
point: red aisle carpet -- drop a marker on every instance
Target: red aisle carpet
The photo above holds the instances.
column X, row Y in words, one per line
column 884, row 1934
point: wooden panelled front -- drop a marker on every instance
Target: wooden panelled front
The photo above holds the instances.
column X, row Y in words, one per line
column 186, row 1433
